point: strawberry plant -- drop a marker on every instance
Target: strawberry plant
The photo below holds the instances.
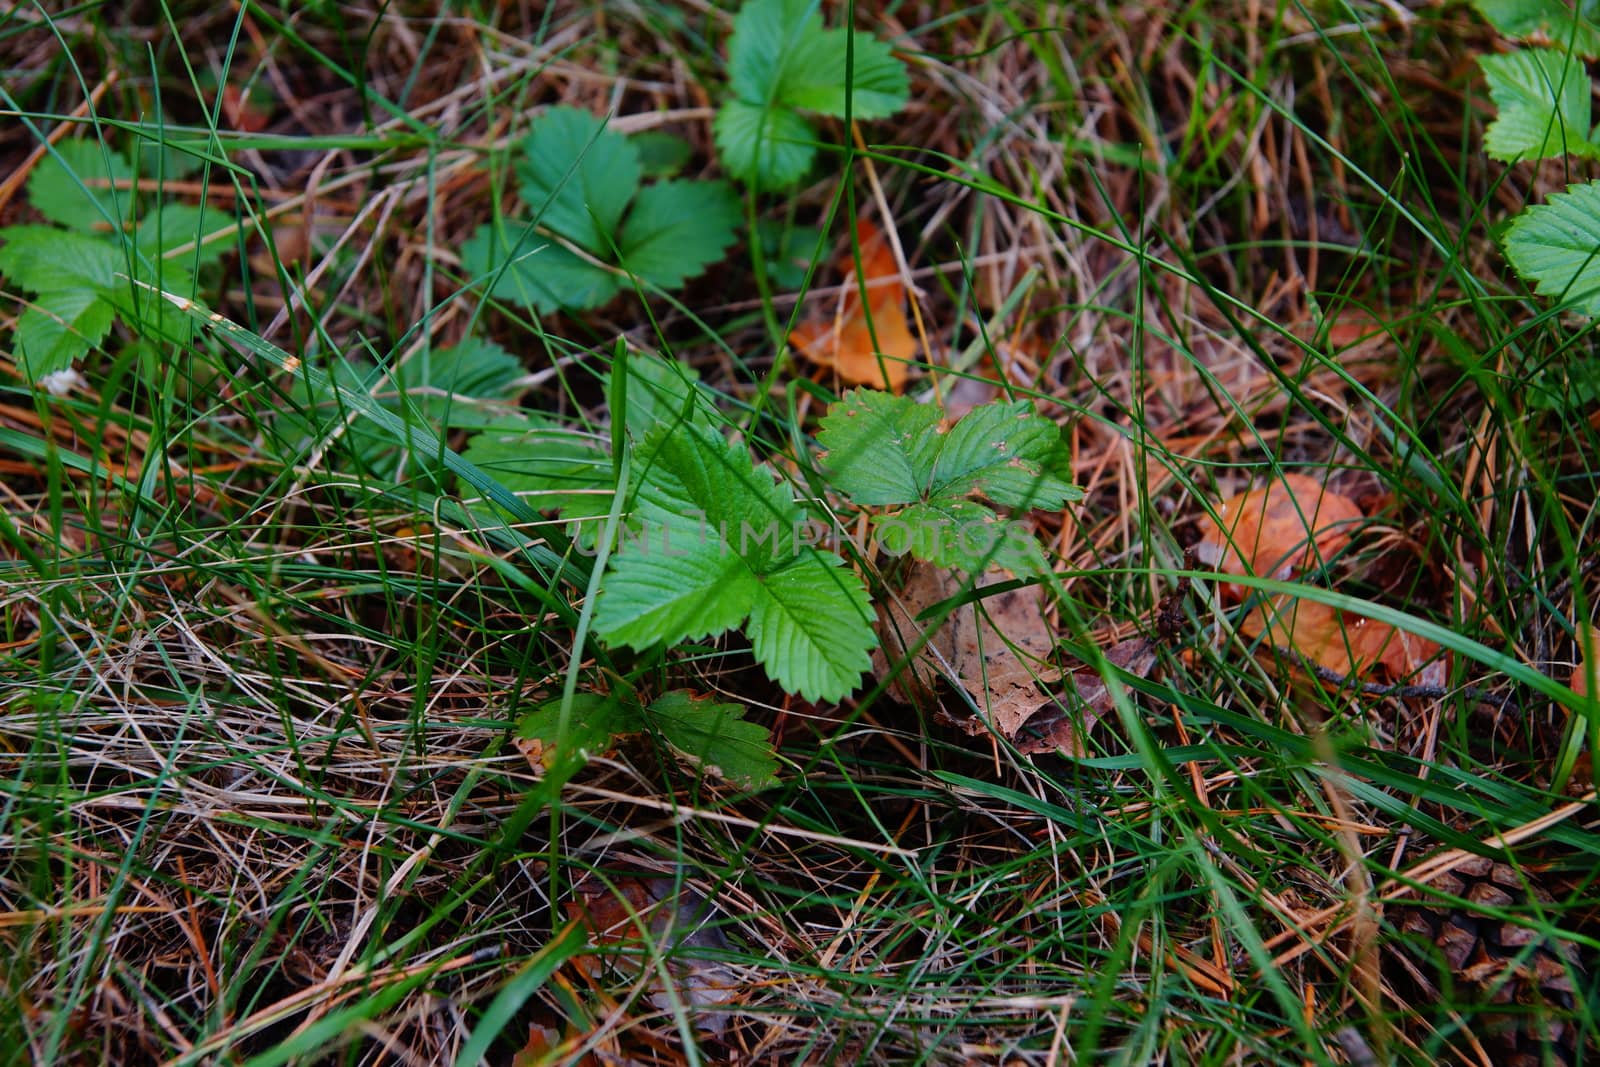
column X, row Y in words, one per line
column 78, row 266
column 782, row 62
column 707, row 734
column 593, row 228
column 1542, row 98
column 716, row 542
column 890, row 450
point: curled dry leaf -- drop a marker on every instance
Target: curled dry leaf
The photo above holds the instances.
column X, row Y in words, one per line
column 1346, row 644
column 999, row 657
column 1282, row 530
column 1278, row 531
column 843, row 339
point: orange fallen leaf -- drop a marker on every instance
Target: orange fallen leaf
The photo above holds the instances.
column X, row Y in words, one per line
column 843, row 342
column 244, row 113
column 1588, row 650
column 1347, row 328
column 1346, row 644
column 1278, row 531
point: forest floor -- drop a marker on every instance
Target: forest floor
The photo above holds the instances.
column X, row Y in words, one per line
column 319, row 743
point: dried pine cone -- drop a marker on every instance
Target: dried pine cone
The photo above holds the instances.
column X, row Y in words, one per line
column 1488, row 962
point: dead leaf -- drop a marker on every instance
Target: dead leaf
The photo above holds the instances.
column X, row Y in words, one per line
column 1055, row 728
column 1278, row 531
column 1588, row 651
column 1346, row 644
column 1000, row 658
column 243, row 112
column 680, row 924
column 843, row 341
column 1354, row 326
column 972, row 391
column 541, row 1046
column 1281, row 530
column 1017, row 360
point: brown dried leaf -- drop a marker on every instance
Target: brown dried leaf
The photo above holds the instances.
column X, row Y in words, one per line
column 676, row 918
column 1281, row 530
column 999, row 657
column 843, row 342
column 1277, row 531
column 1054, row 728
column 541, row 1046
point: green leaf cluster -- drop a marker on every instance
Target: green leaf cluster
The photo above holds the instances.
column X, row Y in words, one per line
column 593, row 224
column 719, row 544
column 82, row 270
column 1542, row 96
column 781, row 61
column 715, row 542
column 890, row 451
column 1551, row 21
column 710, row 735
column 570, row 472
column 1543, row 99
column 1556, row 245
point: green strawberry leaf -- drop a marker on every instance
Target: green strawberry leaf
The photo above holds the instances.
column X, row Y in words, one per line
column 533, row 271
column 149, row 312
column 765, row 145
column 317, row 416
column 676, row 229
column 1006, row 453
column 1548, row 20
column 43, row 258
column 71, row 185
column 1543, row 101
column 766, row 35
column 159, row 152
column 789, row 250
column 551, row 468
column 594, row 721
column 180, row 226
column 961, row 534
column 781, row 59
column 563, row 470
column 58, row 329
column 810, row 628
column 448, row 385
column 578, row 176
column 887, row 450
column 709, row 735
column 1557, row 246
column 716, row 543
column 815, row 79
column 662, row 390
column 661, row 154
column 716, row 738
column 881, row 448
